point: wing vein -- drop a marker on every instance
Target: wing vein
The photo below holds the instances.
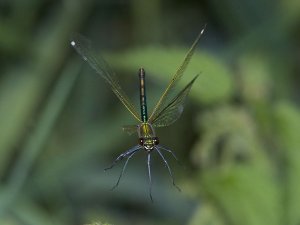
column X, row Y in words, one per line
column 83, row 47
column 161, row 102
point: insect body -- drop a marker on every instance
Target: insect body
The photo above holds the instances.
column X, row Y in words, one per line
column 147, row 137
column 167, row 110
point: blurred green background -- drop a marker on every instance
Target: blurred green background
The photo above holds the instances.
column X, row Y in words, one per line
column 60, row 124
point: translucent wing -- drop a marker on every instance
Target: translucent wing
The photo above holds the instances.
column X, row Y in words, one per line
column 130, row 129
column 83, row 47
column 174, row 109
column 161, row 104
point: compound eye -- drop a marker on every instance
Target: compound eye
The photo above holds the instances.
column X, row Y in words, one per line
column 141, row 141
column 156, row 141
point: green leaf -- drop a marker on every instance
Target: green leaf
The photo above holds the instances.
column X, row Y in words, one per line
column 287, row 131
column 214, row 84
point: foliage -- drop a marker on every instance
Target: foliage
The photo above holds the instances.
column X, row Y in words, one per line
column 60, row 124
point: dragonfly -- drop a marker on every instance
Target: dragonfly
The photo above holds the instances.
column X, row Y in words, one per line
column 166, row 111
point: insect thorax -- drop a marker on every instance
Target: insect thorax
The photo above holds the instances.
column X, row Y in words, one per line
column 147, row 136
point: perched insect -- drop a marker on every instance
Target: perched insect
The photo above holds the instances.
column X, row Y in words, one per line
column 166, row 111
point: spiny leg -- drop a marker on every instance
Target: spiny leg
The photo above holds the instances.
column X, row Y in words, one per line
column 169, row 169
column 173, row 154
column 124, row 155
column 123, row 169
column 149, row 173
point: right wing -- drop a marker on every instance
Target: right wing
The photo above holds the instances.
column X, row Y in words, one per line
column 162, row 103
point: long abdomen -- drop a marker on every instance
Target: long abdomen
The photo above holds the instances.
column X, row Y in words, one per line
column 143, row 103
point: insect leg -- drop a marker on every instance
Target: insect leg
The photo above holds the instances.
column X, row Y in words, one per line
column 169, row 169
column 123, row 169
column 173, row 154
column 149, row 173
column 124, row 155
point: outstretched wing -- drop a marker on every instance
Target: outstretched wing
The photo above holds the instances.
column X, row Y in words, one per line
column 162, row 103
column 130, row 129
column 174, row 109
column 83, row 47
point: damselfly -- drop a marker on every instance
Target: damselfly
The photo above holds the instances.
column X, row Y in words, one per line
column 167, row 110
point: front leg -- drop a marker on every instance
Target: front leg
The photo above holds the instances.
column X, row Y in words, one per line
column 124, row 167
column 124, row 155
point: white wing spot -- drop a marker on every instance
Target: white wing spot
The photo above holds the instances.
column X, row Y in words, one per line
column 180, row 109
column 73, row 43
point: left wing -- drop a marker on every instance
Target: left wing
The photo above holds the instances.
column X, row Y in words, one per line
column 84, row 48
column 130, row 129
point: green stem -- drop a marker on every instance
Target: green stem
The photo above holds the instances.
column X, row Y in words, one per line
column 39, row 136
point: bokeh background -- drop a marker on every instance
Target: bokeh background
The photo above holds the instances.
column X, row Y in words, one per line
column 60, row 124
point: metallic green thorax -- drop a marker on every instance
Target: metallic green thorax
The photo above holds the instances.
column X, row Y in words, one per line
column 145, row 130
column 147, row 136
column 143, row 103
